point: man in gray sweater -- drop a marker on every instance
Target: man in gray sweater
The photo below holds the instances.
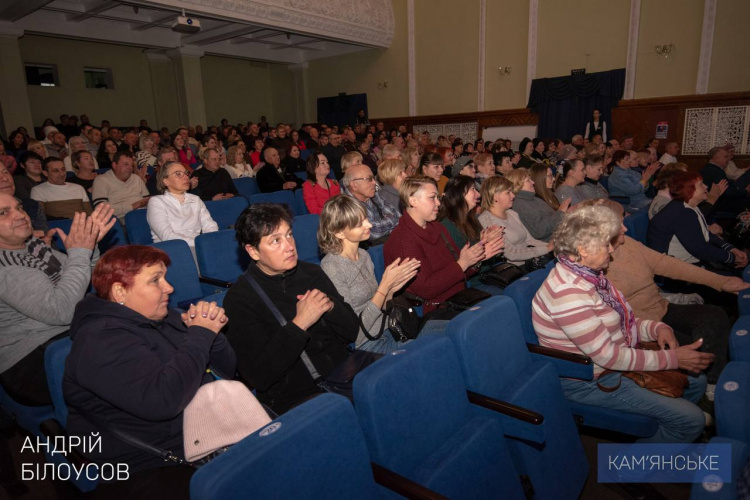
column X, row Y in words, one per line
column 39, row 288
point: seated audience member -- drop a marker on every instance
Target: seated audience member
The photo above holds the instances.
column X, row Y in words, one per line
column 318, row 188
column 526, row 148
column 497, row 201
column 146, row 155
column 535, row 204
column 292, row 162
column 185, row 153
column 391, row 174
column 334, row 151
column 465, row 166
column 391, row 152
column 120, row 188
column 17, row 144
column 573, row 175
column 661, row 184
column 458, row 215
column 31, row 207
column 129, row 142
column 39, row 288
column 503, row 162
column 318, row 322
column 670, row 153
column 84, row 167
column 632, row 270
column 360, row 184
column 431, row 165
column 444, row 267
column 255, row 156
column 28, row 175
column 485, row 167
column 106, row 153
column 626, row 182
column 681, row 230
column 214, row 182
column 60, row 199
column 176, row 214
column 57, row 147
column 349, row 160
column 93, row 140
column 539, row 150
column 578, row 310
column 272, row 177
column 135, row 365
column 236, row 165
column 343, row 226
column 368, row 157
column 732, row 171
column 591, row 188
column 77, row 144
column 449, row 159
column 736, row 198
column 38, row 148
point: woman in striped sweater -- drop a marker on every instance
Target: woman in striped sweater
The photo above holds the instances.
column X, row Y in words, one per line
column 578, row 310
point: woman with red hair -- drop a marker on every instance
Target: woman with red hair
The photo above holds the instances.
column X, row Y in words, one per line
column 135, row 365
column 681, row 230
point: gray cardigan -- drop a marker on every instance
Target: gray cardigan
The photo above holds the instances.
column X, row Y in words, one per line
column 539, row 218
column 32, row 308
column 356, row 282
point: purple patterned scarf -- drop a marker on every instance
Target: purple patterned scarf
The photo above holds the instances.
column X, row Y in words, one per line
column 609, row 294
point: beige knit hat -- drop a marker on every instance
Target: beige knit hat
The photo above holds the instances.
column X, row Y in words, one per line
column 221, row 414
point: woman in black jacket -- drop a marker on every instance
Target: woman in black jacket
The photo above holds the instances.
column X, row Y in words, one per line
column 317, row 321
column 135, row 365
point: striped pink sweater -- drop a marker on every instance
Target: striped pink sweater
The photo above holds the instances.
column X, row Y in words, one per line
column 569, row 315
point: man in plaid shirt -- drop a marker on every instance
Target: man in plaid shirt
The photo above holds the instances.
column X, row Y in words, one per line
column 360, row 184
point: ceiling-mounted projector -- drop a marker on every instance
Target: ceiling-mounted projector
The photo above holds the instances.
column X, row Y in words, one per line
column 185, row 24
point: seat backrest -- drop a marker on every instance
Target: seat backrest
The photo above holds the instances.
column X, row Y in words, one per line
column 139, row 232
column 182, row 273
column 226, row 212
column 522, row 292
column 491, row 351
column 54, row 364
column 305, row 153
column 315, row 450
column 246, row 186
column 299, row 203
column 637, row 226
column 378, row 260
column 306, row 237
column 284, row 197
column 220, row 256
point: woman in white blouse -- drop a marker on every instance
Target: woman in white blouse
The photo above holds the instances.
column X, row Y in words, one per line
column 176, row 214
column 497, row 200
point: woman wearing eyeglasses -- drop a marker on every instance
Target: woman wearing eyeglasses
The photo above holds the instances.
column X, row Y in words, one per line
column 175, row 214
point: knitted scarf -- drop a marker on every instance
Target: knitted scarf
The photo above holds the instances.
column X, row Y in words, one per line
column 38, row 256
column 609, row 294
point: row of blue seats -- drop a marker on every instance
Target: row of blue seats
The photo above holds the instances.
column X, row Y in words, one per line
column 469, row 414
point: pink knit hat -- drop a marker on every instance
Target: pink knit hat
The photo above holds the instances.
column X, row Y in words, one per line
column 221, row 414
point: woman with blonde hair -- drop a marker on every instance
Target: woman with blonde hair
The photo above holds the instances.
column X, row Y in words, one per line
column 343, row 226
column 497, row 202
column 391, row 174
column 411, row 160
column 236, row 165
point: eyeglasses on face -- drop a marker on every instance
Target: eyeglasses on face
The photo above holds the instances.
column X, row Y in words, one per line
column 369, row 178
column 180, row 174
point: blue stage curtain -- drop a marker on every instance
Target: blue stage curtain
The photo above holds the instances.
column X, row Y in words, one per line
column 341, row 109
column 565, row 103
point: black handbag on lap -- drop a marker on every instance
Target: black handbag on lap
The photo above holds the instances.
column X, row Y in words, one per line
column 501, row 275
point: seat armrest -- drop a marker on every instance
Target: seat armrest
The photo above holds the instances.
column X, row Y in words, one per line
column 567, row 364
column 215, row 282
column 401, row 485
column 517, row 422
column 511, row 410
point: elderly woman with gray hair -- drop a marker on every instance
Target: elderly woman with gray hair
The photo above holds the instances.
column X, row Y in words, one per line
column 578, row 310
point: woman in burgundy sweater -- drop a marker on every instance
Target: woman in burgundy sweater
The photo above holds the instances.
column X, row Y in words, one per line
column 445, row 267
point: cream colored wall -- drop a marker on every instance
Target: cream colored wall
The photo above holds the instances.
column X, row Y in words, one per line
column 360, row 72
column 166, row 107
column 730, row 71
column 447, row 48
column 236, row 89
column 283, row 102
column 130, row 100
column 506, row 46
column 669, row 21
column 569, row 29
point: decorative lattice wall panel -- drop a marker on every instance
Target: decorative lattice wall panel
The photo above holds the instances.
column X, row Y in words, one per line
column 466, row 131
column 709, row 127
